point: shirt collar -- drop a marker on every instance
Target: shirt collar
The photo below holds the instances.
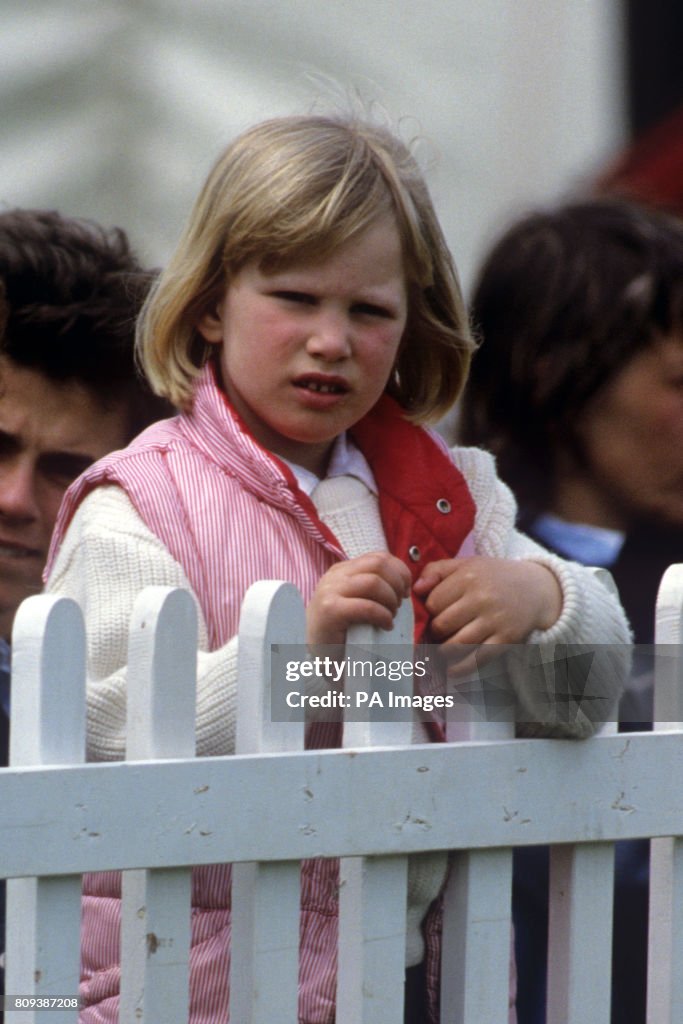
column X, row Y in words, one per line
column 346, row 459
column 590, row 545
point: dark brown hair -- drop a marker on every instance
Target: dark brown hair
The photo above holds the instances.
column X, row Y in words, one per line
column 70, row 292
column 562, row 302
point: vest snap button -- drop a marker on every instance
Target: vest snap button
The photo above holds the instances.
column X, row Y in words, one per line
column 443, row 505
column 414, row 553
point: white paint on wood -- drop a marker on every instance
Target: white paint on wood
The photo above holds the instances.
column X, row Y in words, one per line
column 48, row 727
column 372, row 940
column 272, row 613
column 579, row 975
column 386, row 801
column 665, row 979
column 265, row 897
column 276, row 804
column 155, row 931
column 372, row 891
column 477, row 939
column 375, row 726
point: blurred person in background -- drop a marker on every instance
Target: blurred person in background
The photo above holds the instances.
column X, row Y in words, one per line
column 577, row 389
column 70, row 292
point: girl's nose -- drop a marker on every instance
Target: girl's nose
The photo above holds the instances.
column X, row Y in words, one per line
column 330, row 337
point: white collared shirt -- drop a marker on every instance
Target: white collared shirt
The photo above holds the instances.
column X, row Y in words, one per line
column 346, row 460
column 584, row 543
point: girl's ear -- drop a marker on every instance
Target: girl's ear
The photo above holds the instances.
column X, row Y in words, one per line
column 210, row 326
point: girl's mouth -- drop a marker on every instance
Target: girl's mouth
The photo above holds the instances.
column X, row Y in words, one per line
column 322, row 385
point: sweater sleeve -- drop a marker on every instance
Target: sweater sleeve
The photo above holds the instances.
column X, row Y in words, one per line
column 592, row 622
column 108, row 556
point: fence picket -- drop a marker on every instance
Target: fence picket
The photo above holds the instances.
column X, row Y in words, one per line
column 265, row 897
column 665, row 947
column 369, row 726
column 272, row 613
column 372, row 894
column 581, row 917
column 477, row 909
column 580, row 929
column 155, row 931
column 477, row 920
column 479, row 798
column 48, row 727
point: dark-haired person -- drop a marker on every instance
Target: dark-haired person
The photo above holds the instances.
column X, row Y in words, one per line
column 577, row 388
column 70, row 393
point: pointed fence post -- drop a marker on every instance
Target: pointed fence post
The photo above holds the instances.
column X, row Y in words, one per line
column 47, row 728
column 161, row 702
column 265, row 897
column 581, row 918
column 665, row 953
column 580, row 942
column 372, row 896
column 477, row 909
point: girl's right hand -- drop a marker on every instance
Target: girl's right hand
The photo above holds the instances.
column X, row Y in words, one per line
column 367, row 589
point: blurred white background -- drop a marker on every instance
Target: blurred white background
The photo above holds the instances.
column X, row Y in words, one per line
column 115, row 109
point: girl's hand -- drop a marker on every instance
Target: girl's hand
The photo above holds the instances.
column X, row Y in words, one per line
column 367, row 589
column 488, row 600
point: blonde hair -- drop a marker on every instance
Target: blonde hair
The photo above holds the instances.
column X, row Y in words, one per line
column 294, row 188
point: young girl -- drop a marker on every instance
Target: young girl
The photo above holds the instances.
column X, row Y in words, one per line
column 309, row 320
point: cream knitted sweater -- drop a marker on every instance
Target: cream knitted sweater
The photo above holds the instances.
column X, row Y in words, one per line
column 109, row 554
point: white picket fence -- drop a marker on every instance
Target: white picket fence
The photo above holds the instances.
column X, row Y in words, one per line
column 271, row 805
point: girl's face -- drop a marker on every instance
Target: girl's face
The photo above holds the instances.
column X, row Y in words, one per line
column 306, row 351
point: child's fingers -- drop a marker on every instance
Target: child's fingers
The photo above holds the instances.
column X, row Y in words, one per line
column 368, row 589
column 380, row 565
column 360, row 586
column 362, row 611
column 389, row 568
column 445, row 582
column 472, row 622
column 451, row 600
column 459, row 625
column 433, row 574
column 509, row 599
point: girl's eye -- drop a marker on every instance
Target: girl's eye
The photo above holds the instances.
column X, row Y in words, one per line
column 368, row 309
column 300, row 297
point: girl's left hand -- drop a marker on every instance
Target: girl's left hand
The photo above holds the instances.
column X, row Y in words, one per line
column 488, row 600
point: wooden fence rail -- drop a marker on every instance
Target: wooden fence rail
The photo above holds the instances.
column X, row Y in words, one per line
column 272, row 804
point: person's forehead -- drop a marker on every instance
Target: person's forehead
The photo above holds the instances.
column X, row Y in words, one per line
column 56, row 415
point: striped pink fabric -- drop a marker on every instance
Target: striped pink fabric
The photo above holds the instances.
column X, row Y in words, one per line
column 232, row 514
